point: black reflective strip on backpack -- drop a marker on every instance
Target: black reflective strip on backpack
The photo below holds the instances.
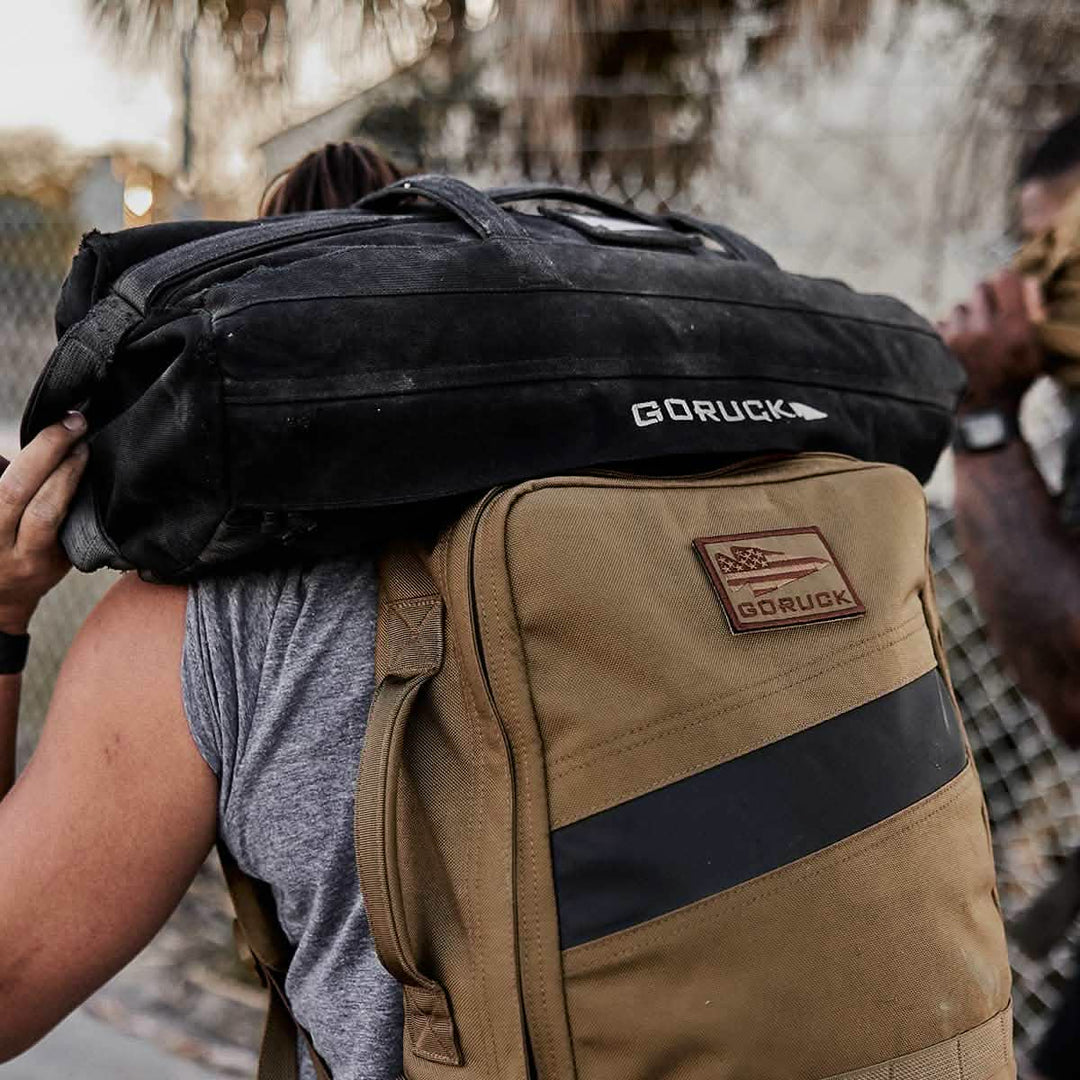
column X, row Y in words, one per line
column 741, row 819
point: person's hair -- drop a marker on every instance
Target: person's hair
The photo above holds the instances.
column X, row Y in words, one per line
column 1058, row 152
column 330, row 178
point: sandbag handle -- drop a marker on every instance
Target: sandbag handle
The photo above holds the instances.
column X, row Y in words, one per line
column 525, row 192
column 735, row 245
column 465, row 202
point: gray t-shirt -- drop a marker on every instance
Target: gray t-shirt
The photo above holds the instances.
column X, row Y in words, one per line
column 277, row 676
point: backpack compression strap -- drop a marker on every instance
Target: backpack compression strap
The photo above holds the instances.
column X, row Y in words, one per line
column 257, row 924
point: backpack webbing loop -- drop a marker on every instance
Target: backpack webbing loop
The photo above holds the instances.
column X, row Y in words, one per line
column 409, row 653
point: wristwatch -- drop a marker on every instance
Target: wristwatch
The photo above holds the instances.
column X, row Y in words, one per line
column 979, row 430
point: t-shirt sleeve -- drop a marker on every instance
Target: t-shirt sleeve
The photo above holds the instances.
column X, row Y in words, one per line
column 196, row 677
column 226, row 629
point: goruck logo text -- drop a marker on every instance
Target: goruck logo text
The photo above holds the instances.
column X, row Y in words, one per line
column 755, row 410
column 778, row 578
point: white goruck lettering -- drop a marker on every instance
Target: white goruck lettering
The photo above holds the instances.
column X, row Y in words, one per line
column 755, row 410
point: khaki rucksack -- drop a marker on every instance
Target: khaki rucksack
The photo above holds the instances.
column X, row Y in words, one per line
column 664, row 780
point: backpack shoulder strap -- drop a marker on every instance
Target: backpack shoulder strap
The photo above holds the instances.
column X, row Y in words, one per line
column 257, row 925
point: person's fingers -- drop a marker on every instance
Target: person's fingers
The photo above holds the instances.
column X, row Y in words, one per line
column 31, row 467
column 46, row 511
column 1034, row 301
column 957, row 323
column 983, row 308
column 1008, row 290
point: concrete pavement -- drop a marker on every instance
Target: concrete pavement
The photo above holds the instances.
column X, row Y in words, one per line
column 83, row 1048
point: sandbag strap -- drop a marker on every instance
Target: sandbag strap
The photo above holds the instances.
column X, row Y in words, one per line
column 410, row 652
column 469, row 205
column 589, row 199
column 983, row 1053
column 77, row 365
column 737, row 246
column 258, row 927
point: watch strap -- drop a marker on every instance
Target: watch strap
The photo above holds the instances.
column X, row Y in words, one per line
column 13, row 652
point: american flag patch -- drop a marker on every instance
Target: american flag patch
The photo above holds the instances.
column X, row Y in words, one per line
column 783, row 577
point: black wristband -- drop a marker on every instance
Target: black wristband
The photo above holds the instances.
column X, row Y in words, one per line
column 13, row 650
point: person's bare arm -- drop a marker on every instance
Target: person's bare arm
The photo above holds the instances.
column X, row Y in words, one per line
column 116, row 810
column 35, row 490
column 1027, row 577
column 1025, row 565
column 109, row 822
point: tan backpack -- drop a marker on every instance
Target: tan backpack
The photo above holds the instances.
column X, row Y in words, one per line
column 664, row 780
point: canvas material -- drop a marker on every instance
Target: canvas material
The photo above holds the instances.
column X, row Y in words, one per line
column 587, row 665
column 246, row 384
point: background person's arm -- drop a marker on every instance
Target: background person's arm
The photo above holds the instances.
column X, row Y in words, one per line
column 1027, row 577
column 1025, row 565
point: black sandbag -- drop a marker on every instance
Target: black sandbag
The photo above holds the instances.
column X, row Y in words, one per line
column 294, row 383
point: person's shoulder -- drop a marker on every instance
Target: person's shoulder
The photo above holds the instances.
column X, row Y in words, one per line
column 133, row 608
column 135, row 631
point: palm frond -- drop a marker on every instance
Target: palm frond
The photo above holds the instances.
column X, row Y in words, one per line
column 622, row 87
column 629, row 83
column 252, row 30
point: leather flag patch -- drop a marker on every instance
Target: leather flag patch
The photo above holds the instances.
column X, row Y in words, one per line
column 770, row 580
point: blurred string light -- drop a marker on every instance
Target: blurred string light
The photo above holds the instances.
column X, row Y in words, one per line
column 138, row 198
column 253, row 22
column 478, row 13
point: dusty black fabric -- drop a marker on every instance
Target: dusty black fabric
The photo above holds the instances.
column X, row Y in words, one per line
column 735, row 821
column 271, row 386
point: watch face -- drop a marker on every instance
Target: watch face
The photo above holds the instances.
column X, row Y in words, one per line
column 984, row 430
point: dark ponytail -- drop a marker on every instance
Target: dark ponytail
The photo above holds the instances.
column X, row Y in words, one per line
column 330, row 178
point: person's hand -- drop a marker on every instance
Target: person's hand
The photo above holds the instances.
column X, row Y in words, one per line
column 36, row 487
column 995, row 337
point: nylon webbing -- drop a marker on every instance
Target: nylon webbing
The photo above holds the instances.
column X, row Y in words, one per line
column 983, row 1053
column 541, row 192
column 257, row 921
column 77, row 365
column 471, row 206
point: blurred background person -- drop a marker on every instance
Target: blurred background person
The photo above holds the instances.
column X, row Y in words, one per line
column 1018, row 538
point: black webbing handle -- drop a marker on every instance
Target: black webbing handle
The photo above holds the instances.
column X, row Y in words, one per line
column 471, row 206
column 524, row 192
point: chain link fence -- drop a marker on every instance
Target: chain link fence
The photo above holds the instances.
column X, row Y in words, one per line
column 1031, row 782
column 36, row 246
